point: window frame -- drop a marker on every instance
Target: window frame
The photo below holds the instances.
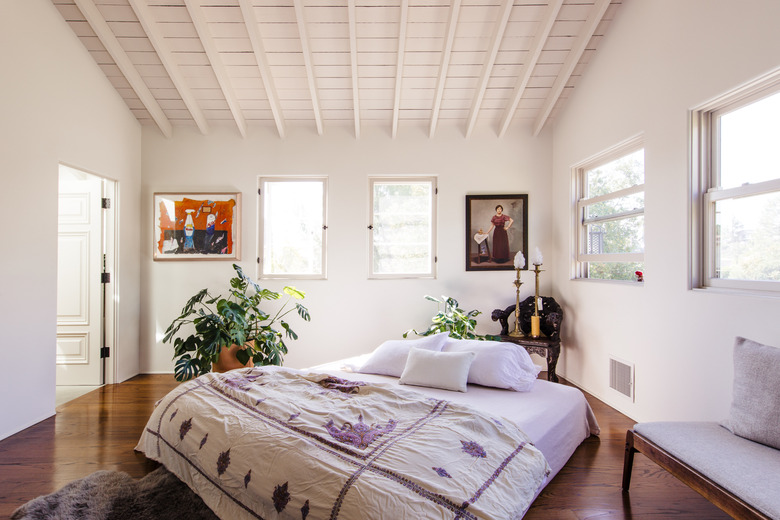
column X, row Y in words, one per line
column 433, row 180
column 261, row 182
column 706, row 190
column 580, row 204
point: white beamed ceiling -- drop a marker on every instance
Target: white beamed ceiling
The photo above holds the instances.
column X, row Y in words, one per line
column 395, row 64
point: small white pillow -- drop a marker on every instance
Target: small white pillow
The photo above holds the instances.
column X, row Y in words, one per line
column 389, row 358
column 446, row 370
column 497, row 364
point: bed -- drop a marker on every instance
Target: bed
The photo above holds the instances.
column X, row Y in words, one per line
column 360, row 445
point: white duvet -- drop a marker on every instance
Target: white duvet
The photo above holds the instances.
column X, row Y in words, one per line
column 271, row 442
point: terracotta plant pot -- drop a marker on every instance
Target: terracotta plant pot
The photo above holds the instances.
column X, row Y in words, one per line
column 228, row 361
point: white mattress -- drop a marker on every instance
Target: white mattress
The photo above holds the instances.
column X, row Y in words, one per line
column 557, row 418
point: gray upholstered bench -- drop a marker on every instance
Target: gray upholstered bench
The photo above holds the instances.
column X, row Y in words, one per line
column 739, row 476
column 736, row 465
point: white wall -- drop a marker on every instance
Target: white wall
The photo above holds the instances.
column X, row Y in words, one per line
column 661, row 58
column 350, row 314
column 57, row 106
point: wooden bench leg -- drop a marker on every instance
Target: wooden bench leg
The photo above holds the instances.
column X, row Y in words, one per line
column 628, row 459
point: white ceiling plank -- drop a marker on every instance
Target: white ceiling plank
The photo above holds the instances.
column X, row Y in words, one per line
column 308, row 63
column 535, row 52
column 146, row 19
column 487, row 67
column 399, row 71
column 201, row 26
column 122, row 60
column 351, row 12
column 587, row 31
column 262, row 62
column 445, row 62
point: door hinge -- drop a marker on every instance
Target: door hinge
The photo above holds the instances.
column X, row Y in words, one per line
column 105, row 352
column 105, row 277
column 105, row 203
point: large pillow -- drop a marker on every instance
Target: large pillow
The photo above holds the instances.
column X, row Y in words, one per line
column 446, row 370
column 497, row 364
column 755, row 405
column 389, row 358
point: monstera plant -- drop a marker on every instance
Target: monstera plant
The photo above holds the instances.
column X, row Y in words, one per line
column 451, row 318
column 233, row 320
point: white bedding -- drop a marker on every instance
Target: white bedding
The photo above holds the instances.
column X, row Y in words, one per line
column 556, row 417
column 271, row 442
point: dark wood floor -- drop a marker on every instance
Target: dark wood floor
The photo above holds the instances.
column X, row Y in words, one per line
column 99, row 430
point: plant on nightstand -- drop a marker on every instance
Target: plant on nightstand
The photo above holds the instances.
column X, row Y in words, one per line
column 234, row 325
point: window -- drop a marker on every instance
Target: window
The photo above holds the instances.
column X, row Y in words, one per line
column 402, row 232
column 292, row 227
column 736, row 178
column 610, row 220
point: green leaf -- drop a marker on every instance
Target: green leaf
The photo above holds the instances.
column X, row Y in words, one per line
column 290, row 333
column 303, row 312
column 295, row 293
column 186, row 368
column 243, row 356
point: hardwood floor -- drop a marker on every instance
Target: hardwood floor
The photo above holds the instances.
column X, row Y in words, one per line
column 100, row 429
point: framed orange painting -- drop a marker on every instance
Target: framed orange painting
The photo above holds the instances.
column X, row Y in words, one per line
column 197, row 226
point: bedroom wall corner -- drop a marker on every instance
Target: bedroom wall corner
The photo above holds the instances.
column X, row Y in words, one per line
column 57, row 107
column 660, row 59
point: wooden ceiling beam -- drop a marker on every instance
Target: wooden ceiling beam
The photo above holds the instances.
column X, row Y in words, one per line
column 540, row 38
column 445, row 63
column 144, row 15
column 487, row 68
column 399, row 70
column 353, row 59
column 586, row 33
column 122, row 60
column 262, row 62
column 207, row 40
column 315, row 103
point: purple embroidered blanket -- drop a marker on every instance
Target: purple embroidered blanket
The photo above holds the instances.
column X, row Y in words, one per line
column 270, row 442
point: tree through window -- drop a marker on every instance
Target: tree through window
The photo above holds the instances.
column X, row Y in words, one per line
column 610, row 214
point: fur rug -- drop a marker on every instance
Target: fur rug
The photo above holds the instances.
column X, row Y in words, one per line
column 113, row 495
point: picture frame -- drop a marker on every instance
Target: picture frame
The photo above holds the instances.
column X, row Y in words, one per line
column 197, row 226
column 486, row 251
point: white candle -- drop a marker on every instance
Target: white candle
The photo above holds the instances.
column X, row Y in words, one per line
column 519, row 260
column 538, row 258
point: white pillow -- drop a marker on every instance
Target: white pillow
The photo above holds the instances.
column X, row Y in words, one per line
column 389, row 358
column 498, row 364
column 446, row 370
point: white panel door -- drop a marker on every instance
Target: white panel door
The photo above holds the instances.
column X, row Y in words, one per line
column 79, row 291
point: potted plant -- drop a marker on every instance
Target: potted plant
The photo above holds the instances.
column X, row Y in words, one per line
column 459, row 323
column 232, row 325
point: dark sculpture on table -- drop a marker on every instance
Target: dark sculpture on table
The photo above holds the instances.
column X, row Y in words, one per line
column 551, row 317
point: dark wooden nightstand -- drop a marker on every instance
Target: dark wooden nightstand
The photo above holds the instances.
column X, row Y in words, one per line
column 548, row 345
column 548, row 348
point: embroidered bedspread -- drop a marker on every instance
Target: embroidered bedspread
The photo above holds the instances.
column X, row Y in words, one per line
column 269, row 442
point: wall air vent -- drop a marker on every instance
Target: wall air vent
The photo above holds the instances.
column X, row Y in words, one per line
column 621, row 377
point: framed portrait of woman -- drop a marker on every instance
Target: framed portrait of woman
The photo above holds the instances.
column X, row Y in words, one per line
column 496, row 229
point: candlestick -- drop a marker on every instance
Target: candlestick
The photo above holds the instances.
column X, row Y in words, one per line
column 517, row 332
column 535, row 320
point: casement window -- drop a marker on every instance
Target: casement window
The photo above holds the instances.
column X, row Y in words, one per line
column 610, row 213
column 402, row 230
column 292, row 227
column 736, row 189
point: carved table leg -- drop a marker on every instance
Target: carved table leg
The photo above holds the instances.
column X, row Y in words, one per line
column 552, row 362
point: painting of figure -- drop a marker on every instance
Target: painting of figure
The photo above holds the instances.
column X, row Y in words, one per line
column 496, row 229
column 196, row 226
